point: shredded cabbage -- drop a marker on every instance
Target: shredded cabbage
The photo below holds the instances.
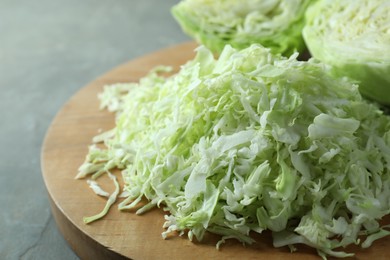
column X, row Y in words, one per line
column 248, row 142
column 276, row 24
column 353, row 36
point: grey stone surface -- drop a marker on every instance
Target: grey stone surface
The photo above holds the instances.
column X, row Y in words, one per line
column 49, row 49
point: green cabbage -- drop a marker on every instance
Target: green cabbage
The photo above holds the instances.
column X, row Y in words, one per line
column 276, row 24
column 354, row 38
column 250, row 142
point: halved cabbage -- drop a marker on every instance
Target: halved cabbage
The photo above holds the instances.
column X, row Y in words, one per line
column 354, row 38
column 276, row 24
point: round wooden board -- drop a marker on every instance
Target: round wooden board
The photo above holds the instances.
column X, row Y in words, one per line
column 125, row 234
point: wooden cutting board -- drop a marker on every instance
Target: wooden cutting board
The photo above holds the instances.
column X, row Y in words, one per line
column 122, row 235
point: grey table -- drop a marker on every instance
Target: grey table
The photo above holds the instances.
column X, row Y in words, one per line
column 49, row 49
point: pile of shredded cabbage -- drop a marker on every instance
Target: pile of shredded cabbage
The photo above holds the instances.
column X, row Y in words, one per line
column 250, row 142
column 276, row 24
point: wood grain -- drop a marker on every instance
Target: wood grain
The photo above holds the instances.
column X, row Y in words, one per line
column 122, row 235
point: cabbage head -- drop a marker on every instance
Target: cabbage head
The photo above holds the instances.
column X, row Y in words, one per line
column 354, row 38
column 275, row 24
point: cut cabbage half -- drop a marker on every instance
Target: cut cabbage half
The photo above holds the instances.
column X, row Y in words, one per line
column 354, row 38
column 276, row 24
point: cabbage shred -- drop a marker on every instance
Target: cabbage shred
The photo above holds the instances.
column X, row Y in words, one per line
column 249, row 142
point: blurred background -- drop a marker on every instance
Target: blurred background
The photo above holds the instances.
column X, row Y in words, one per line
column 49, row 49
